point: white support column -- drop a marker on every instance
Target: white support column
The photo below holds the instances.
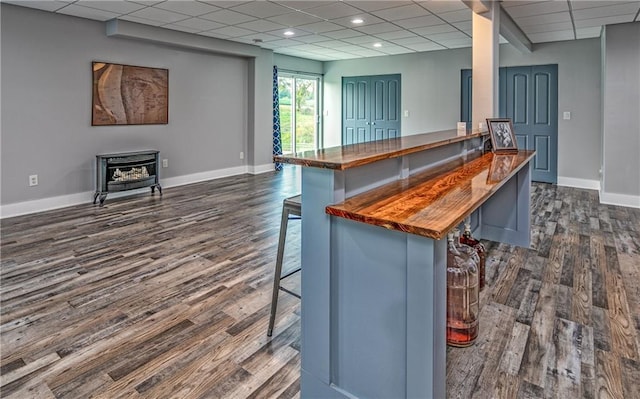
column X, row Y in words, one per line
column 486, row 41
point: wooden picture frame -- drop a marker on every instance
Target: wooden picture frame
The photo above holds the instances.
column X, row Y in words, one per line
column 503, row 138
column 129, row 95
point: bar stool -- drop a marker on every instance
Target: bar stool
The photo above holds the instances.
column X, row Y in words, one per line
column 290, row 206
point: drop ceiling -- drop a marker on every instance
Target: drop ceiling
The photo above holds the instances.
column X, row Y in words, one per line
column 324, row 30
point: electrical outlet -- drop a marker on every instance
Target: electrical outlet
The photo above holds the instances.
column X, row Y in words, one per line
column 33, row 180
column 165, row 163
column 241, row 155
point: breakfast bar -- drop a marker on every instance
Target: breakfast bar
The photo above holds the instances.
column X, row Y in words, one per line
column 374, row 255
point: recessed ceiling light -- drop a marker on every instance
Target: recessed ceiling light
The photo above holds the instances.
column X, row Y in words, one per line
column 357, row 21
column 289, row 33
column 377, row 44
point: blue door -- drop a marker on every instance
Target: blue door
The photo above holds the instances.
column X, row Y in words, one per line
column 532, row 105
column 529, row 96
column 370, row 108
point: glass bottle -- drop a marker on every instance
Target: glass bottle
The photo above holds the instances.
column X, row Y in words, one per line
column 462, row 293
column 467, row 239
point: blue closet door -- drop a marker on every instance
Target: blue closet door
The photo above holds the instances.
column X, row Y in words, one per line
column 370, row 108
column 529, row 96
column 532, row 105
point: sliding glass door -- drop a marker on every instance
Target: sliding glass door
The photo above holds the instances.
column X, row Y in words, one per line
column 299, row 112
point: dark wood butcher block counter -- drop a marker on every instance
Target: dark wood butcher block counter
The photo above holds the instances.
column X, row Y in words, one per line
column 353, row 155
column 433, row 202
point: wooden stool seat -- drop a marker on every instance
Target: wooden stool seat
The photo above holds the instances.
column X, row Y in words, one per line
column 290, row 206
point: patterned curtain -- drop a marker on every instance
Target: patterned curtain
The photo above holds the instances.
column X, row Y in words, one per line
column 277, row 140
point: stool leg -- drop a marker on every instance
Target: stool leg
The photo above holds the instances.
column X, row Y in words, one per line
column 276, row 277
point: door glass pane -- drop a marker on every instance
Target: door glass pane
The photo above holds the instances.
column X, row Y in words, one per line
column 286, row 122
column 306, row 114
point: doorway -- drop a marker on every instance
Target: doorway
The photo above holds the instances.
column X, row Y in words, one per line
column 370, row 108
column 299, row 97
column 528, row 95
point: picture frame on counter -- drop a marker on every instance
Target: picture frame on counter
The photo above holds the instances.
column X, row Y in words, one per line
column 502, row 134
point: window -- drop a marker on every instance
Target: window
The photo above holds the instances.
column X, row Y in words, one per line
column 299, row 97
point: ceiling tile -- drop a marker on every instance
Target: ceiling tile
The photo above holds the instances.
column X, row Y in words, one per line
column 320, row 27
column 192, row 8
column 123, row 7
column 157, row 14
column 377, row 28
column 313, row 38
column 334, row 43
column 548, row 27
column 537, row 8
column 148, row 3
column 438, row 37
column 358, row 39
column 227, row 17
column 343, row 34
column 597, row 12
column 419, row 22
column 370, row 6
column 232, row 31
column 260, row 25
column 459, row 43
column 301, row 5
column 368, row 20
column 369, row 53
column 619, row 19
column 398, row 34
column 440, row 6
column 426, row 46
column 429, row 30
column 394, row 50
column 40, row 5
column 86, row 12
column 294, row 19
column 199, row 24
column 543, row 19
column 512, row 3
column 409, row 41
column 456, row 16
column 261, row 9
column 333, row 10
column 403, row 12
column 580, row 4
column 465, row 26
column 297, row 33
column 551, row 36
column 587, row 33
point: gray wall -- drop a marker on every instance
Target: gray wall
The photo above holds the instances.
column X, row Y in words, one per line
column 430, row 89
column 46, row 118
column 297, row 64
column 621, row 111
column 431, row 94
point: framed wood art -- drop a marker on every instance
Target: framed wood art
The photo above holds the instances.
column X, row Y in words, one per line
column 503, row 138
column 129, row 95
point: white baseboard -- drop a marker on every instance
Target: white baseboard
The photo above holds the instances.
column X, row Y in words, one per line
column 62, row 201
column 202, row 176
column 631, row 201
column 254, row 170
column 579, row 183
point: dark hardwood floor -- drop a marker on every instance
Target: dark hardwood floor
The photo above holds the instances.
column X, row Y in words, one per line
column 151, row 297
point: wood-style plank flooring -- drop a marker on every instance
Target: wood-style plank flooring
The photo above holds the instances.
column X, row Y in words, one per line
column 151, row 297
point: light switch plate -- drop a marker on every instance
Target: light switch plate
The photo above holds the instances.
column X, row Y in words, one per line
column 566, row 115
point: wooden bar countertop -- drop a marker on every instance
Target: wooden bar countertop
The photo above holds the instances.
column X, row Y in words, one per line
column 352, row 155
column 432, row 202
